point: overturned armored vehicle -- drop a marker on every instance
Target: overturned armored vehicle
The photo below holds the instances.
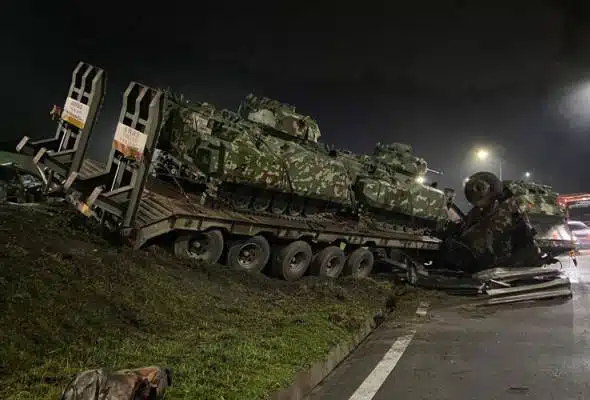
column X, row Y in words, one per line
column 267, row 158
column 512, row 224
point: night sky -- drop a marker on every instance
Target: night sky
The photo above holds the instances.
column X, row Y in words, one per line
column 444, row 79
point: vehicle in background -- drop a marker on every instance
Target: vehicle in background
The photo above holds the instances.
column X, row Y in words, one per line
column 577, row 206
column 581, row 233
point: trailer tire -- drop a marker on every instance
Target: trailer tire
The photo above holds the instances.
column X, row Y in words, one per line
column 251, row 254
column 328, row 262
column 203, row 247
column 298, row 252
column 359, row 263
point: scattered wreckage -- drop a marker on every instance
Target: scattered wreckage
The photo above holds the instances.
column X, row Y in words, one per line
column 21, row 186
column 198, row 193
column 18, row 185
column 506, row 247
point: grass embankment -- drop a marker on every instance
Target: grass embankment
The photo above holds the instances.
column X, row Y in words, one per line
column 69, row 301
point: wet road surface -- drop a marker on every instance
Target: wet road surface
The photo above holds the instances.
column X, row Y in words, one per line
column 531, row 351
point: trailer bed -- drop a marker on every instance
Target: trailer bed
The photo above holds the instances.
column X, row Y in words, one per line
column 162, row 209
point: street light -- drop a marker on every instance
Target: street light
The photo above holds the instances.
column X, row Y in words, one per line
column 483, row 154
column 527, row 175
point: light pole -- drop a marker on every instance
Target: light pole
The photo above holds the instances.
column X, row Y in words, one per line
column 483, row 154
column 527, row 175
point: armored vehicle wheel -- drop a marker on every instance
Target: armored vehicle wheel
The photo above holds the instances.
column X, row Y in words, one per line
column 241, row 200
column 250, row 254
column 328, row 262
column 312, row 208
column 203, row 247
column 261, row 203
column 359, row 263
column 295, row 208
column 291, row 262
column 279, row 204
column 482, row 187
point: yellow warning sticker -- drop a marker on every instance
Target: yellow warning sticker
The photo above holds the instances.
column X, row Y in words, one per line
column 75, row 113
column 129, row 141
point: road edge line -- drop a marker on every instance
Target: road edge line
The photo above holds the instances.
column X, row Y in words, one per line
column 373, row 382
column 306, row 380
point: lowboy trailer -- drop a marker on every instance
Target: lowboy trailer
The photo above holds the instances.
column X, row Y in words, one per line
column 123, row 196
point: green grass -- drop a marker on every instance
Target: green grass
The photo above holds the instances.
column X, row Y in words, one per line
column 69, row 301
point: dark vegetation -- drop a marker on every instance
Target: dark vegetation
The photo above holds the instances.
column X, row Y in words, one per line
column 70, row 300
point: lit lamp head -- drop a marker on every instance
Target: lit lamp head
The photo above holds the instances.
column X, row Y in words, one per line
column 482, row 154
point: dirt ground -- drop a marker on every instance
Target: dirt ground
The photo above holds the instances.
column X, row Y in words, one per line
column 70, row 300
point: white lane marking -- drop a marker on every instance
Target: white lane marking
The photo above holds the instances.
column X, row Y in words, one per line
column 580, row 300
column 370, row 386
column 422, row 309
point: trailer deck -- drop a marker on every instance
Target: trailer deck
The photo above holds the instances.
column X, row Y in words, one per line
column 159, row 214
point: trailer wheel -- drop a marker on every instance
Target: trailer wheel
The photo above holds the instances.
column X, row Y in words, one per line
column 328, row 262
column 291, row 261
column 359, row 263
column 203, row 247
column 250, row 254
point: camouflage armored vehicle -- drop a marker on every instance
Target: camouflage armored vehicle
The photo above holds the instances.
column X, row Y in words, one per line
column 267, row 158
column 393, row 185
column 512, row 224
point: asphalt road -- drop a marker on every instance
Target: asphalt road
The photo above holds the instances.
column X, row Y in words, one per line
column 535, row 351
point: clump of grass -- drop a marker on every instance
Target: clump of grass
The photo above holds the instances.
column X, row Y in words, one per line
column 69, row 301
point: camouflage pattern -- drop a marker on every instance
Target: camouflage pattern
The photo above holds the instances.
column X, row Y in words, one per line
column 540, row 204
column 394, row 185
column 490, row 236
column 399, row 157
column 505, row 231
column 279, row 116
column 266, row 145
column 100, row 384
column 536, row 198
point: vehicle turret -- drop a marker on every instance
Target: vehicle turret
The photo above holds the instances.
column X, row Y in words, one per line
column 280, row 117
column 399, row 157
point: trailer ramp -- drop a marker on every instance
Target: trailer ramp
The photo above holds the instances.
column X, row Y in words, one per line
column 64, row 153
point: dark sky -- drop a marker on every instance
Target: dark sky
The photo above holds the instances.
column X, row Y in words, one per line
column 444, row 79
